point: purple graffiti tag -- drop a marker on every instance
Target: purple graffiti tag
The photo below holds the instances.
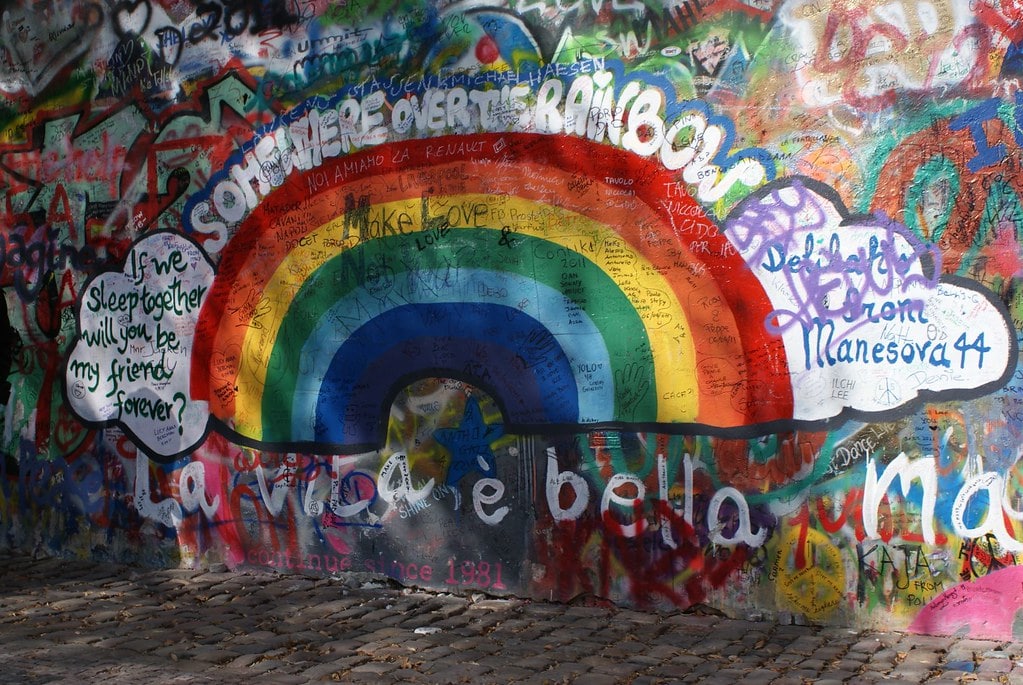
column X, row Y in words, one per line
column 824, row 264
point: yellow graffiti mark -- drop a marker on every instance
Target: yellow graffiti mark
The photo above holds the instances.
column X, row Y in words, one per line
column 813, row 581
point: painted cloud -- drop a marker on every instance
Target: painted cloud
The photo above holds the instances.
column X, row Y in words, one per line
column 130, row 364
column 868, row 321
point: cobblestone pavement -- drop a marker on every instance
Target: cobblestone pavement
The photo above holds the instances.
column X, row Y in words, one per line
column 83, row 622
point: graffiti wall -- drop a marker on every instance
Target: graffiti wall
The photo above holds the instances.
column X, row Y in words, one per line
column 675, row 303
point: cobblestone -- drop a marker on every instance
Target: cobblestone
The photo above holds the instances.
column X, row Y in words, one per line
column 83, row 622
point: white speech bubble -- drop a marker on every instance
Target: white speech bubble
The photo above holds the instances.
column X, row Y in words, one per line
column 131, row 361
column 868, row 322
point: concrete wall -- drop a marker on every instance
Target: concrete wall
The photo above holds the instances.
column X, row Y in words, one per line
column 704, row 302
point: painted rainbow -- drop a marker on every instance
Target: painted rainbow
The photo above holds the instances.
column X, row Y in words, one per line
column 578, row 284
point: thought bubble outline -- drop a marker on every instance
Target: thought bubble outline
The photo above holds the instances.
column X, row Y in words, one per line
column 164, row 440
column 926, row 287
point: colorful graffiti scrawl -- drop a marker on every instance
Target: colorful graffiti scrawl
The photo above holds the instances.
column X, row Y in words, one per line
column 693, row 302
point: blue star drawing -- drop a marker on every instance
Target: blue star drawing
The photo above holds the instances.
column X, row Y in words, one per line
column 469, row 444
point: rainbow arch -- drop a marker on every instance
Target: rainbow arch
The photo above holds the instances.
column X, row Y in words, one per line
column 578, row 284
